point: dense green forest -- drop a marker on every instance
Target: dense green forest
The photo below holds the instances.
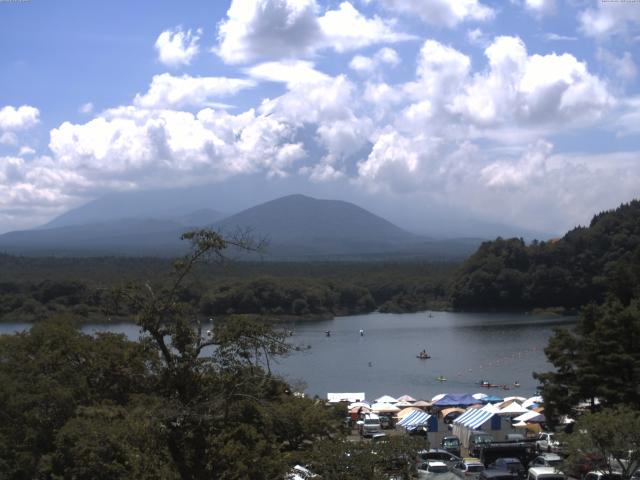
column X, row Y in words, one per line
column 76, row 406
column 33, row 288
column 575, row 270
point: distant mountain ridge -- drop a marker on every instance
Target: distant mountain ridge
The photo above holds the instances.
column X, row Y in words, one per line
column 296, row 226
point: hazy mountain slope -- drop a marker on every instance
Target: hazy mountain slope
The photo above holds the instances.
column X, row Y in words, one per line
column 302, row 218
column 297, row 227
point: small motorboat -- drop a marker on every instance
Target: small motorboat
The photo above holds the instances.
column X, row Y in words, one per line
column 423, row 356
column 441, row 378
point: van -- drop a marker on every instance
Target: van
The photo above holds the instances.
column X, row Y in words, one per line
column 545, row 473
column 370, row 425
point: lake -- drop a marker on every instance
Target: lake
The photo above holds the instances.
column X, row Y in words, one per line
column 464, row 348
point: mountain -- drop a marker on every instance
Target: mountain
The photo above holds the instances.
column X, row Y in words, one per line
column 296, row 227
column 175, row 205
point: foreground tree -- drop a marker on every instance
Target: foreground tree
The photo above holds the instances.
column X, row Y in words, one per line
column 597, row 364
column 608, row 440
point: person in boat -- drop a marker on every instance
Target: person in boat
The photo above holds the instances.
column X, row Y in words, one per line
column 328, row 333
column 361, row 332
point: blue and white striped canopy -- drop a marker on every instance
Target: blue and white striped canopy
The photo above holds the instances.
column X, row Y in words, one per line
column 414, row 419
column 473, row 418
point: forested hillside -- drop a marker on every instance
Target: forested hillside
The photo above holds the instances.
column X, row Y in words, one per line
column 569, row 272
column 33, row 288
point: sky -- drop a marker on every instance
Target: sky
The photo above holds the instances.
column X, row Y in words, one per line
column 524, row 112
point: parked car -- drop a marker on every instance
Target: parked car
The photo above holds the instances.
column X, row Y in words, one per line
column 600, row 475
column 509, row 464
column 299, row 472
column 468, row 468
column 439, row 455
column 451, row 444
column 434, row 470
column 546, row 460
column 546, row 442
column 493, row 474
column 545, row 473
column 370, row 425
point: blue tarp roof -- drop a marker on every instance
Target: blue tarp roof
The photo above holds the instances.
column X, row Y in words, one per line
column 492, row 399
column 452, row 400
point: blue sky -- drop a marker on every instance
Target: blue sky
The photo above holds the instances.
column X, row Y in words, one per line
column 524, row 112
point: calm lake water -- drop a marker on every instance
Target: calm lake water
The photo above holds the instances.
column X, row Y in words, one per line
column 464, row 348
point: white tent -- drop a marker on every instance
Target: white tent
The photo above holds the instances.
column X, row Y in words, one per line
column 403, row 404
column 386, row 399
column 516, row 398
column 480, row 396
column 383, row 407
column 530, row 416
column 438, row 397
column 358, row 404
column 406, row 398
column 345, row 397
column 529, row 402
column 513, row 409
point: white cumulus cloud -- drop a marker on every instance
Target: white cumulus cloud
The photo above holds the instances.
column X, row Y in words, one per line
column 610, row 18
column 177, row 47
column 442, row 12
column 21, row 118
column 366, row 65
column 168, row 91
column 287, row 29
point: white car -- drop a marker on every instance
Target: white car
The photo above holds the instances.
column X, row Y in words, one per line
column 545, row 473
column 435, row 470
column 600, row 475
column 547, row 443
column 546, row 460
column 300, row 473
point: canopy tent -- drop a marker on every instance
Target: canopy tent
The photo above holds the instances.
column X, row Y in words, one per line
column 532, row 401
column 358, row 404
column 382, row 407
column 422, row 404
column 345, row 397
column 406, row 398
column 532, row 427
column 386, row 399
column 407, row 411
column 480, row 396
column 455, row 400
column 516, row 398
column 530, row 416
column 492, row 399
column 359, row 410
column 474, row 418
column 513, row 409
column 448, row 411
column 438, row 397
column 468, row 412
column 403, row 404
column 414, row 420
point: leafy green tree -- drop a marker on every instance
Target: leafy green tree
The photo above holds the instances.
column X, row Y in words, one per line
column 50, row 372
column 611, row 436
column 599, row 360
